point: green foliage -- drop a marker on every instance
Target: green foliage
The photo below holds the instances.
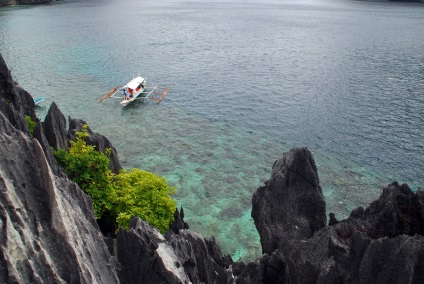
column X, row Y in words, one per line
column 143, row 194
column 31, row 124
column 89, row 169
column 130, row 193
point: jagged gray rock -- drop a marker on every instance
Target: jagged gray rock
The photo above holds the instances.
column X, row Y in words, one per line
column 290, row 205
column 146, row 257
column 178, row 223
column 58, row 137
column 39, row 135
column 55, row 128
column 15, row 102
column 266, row 269
column 185, row 257
column 48, row 233
column 383, row 243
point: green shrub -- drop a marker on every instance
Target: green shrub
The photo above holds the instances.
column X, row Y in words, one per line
column 143, row 194
column 129, row 193
column 89, row 169
column 31, row 124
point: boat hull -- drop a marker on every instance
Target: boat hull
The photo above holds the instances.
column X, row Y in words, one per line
column 136, row 86
column 125, row 102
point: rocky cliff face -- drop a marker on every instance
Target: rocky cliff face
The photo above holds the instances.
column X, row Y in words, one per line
column 291, row 204
column 383, row 243
column 185, row 257
column 48, row 233
column 47, row 227
column 58, row 137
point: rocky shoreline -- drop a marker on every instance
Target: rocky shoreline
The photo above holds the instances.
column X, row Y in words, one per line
column 49, row 233
column 23, row 2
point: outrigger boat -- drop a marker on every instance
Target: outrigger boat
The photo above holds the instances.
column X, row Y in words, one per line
column 136, row 89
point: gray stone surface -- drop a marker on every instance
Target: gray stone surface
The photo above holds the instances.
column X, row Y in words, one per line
column 148, row 257
column 291, row 204
column 382, row 243
column 48, row 233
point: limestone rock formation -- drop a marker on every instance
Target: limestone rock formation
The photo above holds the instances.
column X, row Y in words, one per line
column 383, row 243
column 48, row 231
column 178, row 223
column 39, row 135
column 291, row 204
column 15, row 102
column 58, row 137
column 54, row 126
column 185, row 257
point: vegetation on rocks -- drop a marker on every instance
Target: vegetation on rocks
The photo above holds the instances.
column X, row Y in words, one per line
column 31, row 124
column 142, row 194
column 117, row 196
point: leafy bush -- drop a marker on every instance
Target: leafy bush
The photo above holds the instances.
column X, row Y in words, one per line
column 31, row 124
column 118, row 197
column 143, row 194
column 89, row 169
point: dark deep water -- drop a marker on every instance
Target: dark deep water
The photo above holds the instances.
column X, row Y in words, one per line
column 248, row 81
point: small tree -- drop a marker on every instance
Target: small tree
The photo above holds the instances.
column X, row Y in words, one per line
column 130, row 193
column 145, row 195
column 89, row 169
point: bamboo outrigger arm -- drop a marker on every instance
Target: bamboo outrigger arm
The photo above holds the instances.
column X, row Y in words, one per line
column 108, row 95
column 161, row 94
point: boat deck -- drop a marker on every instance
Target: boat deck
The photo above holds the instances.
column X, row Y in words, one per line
column 156, row 93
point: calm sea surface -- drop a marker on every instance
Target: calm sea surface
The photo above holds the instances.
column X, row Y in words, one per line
column 248, row 81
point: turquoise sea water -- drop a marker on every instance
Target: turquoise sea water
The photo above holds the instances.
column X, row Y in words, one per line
column 248, row 81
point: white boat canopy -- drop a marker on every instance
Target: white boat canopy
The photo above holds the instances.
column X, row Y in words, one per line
column 134, row 83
